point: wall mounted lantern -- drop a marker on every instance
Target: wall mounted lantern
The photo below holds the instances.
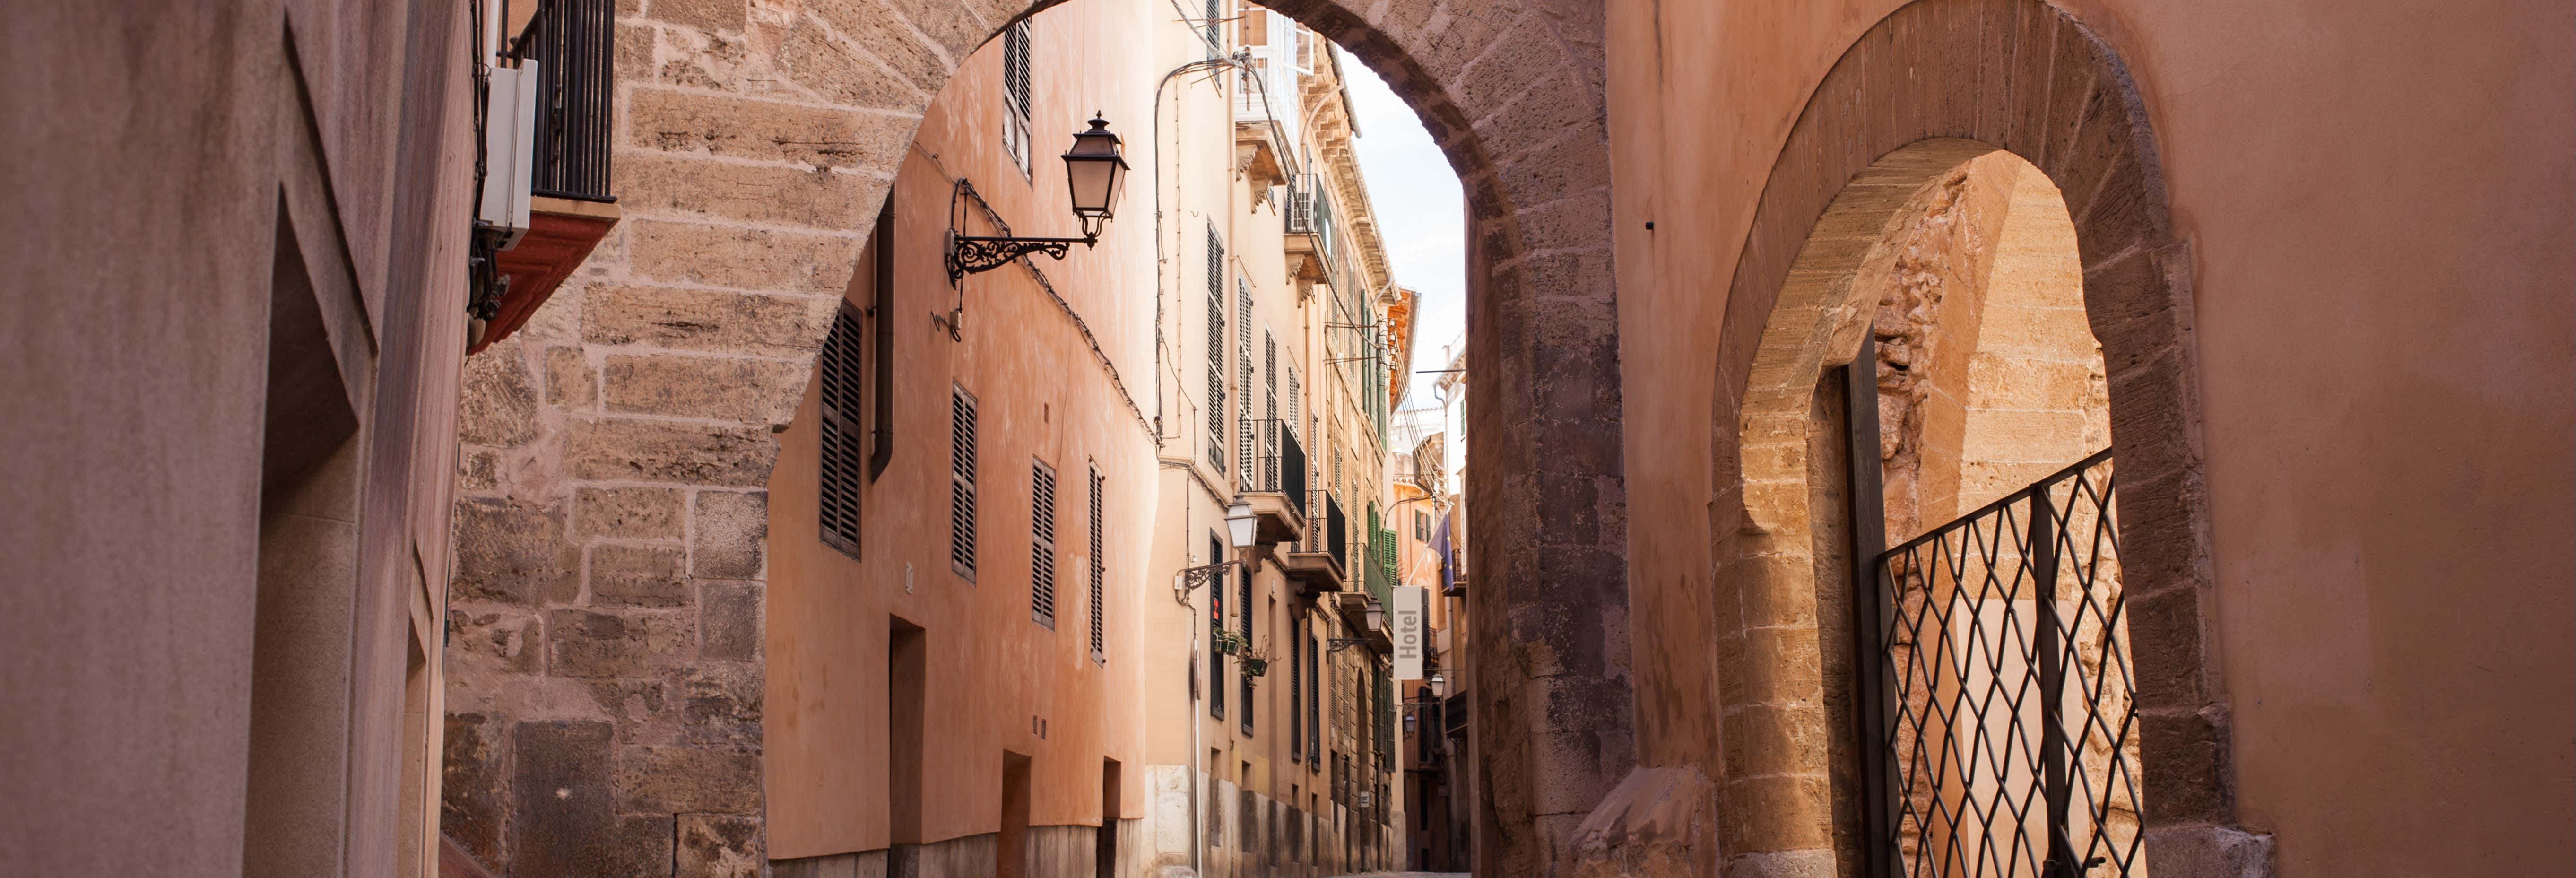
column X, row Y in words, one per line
column 1238, row 528
column 1094, row 171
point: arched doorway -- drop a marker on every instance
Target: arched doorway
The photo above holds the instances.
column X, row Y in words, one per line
column 611, row 508
column 1891, row 189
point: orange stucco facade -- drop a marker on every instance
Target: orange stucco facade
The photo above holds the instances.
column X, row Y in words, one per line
column 998, row 680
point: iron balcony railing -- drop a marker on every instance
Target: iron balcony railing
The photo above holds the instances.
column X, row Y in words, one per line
column 2001, row 705
column 574, row 43
column 1334, row 536
column 1302, row 190
column 1278, row 461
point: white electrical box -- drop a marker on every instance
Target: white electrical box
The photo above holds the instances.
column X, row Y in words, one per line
column 509, row 150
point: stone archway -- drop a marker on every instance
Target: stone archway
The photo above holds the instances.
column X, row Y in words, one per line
column 611, row 515
column 1934, row 85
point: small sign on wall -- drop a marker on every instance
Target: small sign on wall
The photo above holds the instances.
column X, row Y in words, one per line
column 1412, row 637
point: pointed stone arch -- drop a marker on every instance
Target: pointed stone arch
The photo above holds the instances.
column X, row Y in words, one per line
column 1932, row 86
column 720, row 302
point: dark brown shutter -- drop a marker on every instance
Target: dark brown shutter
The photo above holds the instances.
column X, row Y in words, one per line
column 842, row 470
column 961, row 483
column 1042, row 544
column 1099, row 570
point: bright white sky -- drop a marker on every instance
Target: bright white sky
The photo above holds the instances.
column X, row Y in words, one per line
column 1421, row 214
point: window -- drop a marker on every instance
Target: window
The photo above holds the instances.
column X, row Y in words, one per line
column 1296, row 698
column 1243, row 362
column 1211, row 31
column 1315, row 702
column 1422, row 525
column 1248, row 604
column 1216, row 349
column 1016, row 99
column 1042, row 543
column 1099, row 570
column 961, row 482
column 1385, row 718
column 843, row 458
column 1216, row 629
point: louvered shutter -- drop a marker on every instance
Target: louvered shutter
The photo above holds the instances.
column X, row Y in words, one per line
column 841, row 470
column 1216, row 350
column 1296, row 694
column 1099, row 570
column 1017, row 100
column 961, row 483
column 1042, row 544
column 1246, row 612
column 1216, row 626
column 1243, row 363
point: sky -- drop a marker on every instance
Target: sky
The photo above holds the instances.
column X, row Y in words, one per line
column 1420, row 213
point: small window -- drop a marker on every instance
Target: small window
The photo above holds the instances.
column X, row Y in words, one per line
column 1017, row 99
column 961, row 482
column 1042, row 543
column 844, row 460
column 1422, row 526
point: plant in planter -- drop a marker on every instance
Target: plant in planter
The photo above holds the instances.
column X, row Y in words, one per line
column 1227, row 643
column 1256, row 660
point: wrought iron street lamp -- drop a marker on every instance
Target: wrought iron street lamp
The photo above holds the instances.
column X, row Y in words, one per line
column 1095, row 172
column 1238, row 528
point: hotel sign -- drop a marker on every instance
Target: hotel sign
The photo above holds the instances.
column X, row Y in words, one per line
column 1412, row 632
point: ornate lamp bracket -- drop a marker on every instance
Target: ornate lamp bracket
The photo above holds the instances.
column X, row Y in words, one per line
column 971, row 254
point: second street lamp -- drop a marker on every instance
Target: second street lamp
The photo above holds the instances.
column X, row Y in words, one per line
column 1094, row 171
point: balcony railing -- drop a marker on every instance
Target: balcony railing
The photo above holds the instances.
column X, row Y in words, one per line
column 1381, row 567
column 1302, row 189
column 1278, row 461
column 1334, row 536
column 574, row 43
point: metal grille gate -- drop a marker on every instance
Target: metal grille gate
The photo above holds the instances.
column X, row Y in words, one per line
column 1997, row 703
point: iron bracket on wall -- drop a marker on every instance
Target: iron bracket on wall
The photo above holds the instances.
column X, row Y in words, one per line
column 970, row 254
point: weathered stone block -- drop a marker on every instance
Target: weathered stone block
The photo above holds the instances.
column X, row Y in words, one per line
column 718, row 846
column 634, row 703
column 722, row 703
column 736, row 127
column 680, row 779
column 789, row 327
column 748, row 391
column 732, row 533
column 811, row 196
column 867, row 24
column 661, row 451
column 570, row 382
column 495, row 640
column 514, row 552
column 816, row 61
column 647, row 576
column 629, row 513
column 499, row 403
column 702, row 14
column 729, row 620
column 623, row 643
column 560, row 798
column 743, row 259
column 471, row 809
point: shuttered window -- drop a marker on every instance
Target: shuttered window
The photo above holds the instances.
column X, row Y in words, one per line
column 961, row 482
column 1243, row 363
column 844, row 459
column 1216, row 629
column 1248, row 604
column 1016, row 92
column 1042, row 543
column 1216, row 349
column 1385, row 717
column 1296, row 695
column 1213, row 33
column 1315, row 701
column 1099, row 569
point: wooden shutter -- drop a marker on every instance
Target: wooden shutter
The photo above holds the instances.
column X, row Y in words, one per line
column 1247, row 645
column 1216, row 349
column 1099, row 569
column 1216, row 626
column 1017, row 100
column 1296, row 694
column 841, row 470
column 1042, row 543
column 961, row 482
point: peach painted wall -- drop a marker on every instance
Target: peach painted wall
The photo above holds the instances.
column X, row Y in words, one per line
column 1043, row 394
column 2376, row 195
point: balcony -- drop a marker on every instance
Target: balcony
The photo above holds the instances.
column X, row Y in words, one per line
column 1307, row 224
column 1318, row 563
column 569, row 207
column 1274, row 480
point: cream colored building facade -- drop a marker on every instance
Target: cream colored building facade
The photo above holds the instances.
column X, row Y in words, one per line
column 1269, row 713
